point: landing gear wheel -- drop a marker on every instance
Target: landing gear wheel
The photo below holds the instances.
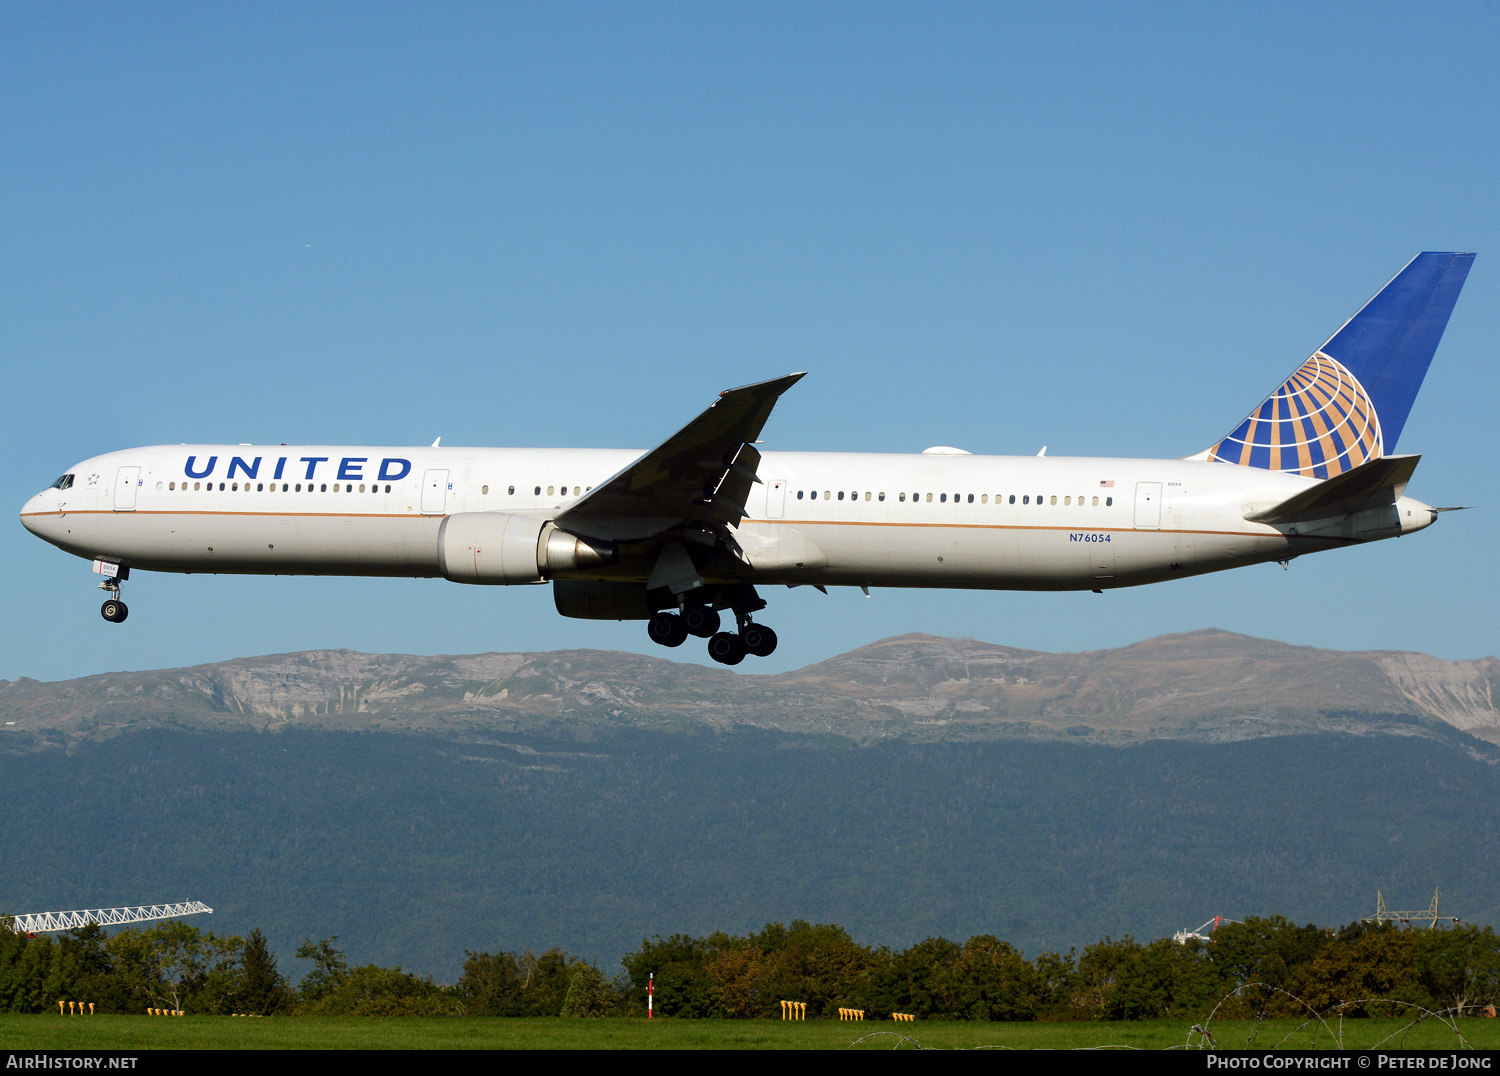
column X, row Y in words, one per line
column 114, row 611
column 700, row 620
column 667, row 629
column 759, row 640
column 727, row 648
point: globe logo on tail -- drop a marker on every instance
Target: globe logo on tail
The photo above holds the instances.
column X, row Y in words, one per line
column 1320, row 423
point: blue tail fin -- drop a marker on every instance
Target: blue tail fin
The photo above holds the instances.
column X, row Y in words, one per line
column 1346, row 405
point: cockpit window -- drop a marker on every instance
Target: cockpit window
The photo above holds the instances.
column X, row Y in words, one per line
column 65, row 482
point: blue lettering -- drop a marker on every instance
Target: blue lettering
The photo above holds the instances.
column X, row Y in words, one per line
column 387, row 474
column 250, row 469
column 203, row 473
column 279, row 465
column 352, row 467
column 312, row 463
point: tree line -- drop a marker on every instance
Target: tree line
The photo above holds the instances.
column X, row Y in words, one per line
column 1263, row 966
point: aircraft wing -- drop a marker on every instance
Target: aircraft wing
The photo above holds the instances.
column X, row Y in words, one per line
column 702, row 473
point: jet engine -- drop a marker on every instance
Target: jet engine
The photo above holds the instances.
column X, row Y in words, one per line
column 498, row 547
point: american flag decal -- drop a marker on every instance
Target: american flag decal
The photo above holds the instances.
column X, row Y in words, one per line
column 1107, row 485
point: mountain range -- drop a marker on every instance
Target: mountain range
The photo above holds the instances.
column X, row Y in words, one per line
column 1205, row 686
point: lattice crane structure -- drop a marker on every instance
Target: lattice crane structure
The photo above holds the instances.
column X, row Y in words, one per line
column 1182, row 937
column 1429, row 915
column 46, row 922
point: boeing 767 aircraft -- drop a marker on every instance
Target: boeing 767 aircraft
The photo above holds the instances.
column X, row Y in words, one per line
column 675, row 535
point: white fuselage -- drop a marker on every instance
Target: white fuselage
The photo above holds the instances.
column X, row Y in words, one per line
column 963, row 521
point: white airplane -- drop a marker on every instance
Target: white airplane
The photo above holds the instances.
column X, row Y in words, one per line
column 674, row 535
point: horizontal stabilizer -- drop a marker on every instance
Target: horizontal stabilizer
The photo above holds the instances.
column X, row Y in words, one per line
column 1370, row 485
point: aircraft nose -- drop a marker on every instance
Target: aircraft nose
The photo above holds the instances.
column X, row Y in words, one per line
column 40, row 515
column 29, row 513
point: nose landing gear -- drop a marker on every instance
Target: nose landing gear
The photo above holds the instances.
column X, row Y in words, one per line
column 113, row 609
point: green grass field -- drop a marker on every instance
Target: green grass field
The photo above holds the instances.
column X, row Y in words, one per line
column 477, row 1033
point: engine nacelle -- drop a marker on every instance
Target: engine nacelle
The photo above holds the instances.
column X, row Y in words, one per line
column 587, row 599
column 496, row 548
column 490, row 547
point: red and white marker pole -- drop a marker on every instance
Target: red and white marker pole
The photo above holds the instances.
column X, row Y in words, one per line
column 650, row 990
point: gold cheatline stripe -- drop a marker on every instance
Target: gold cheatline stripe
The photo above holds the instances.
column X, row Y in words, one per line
column 285, row 515
column 1004, row 527
column 776, row 522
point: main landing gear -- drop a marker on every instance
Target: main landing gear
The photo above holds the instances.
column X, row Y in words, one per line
column 725, row 647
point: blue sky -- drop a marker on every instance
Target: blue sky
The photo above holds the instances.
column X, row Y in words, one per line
column 1109, row 229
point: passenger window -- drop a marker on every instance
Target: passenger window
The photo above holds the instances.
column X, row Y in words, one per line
column 984, row 498
column 929, row 498
column 361, row 487
column 971, row 498
column 1108, row 501
column 882, row 496
column 549, row 490
column 171, row 485
column 841, row 495
column 511, row 492
column 1067, row 500
column 901, row 497
column 387, row 489
column 827, row 495
column 484, row 491
column 799, row 494
column 1096, row 502
column 259, row 487
column 1012, row 498
column 195, row 485
column 814, row 494
column 323, row 487
column 1026, row 499
column 538, row 491
column 1054, row 499
column 299, row 487
column 943, row 498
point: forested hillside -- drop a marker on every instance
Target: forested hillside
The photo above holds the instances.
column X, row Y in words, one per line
column 413, row 848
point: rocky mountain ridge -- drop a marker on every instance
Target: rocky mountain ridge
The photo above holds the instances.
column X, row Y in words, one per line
column 1205, row 685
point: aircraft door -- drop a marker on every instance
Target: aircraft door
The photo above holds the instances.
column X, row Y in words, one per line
column 1148, row 506
column 126, row 482
column 776, row 499
column 435, row 492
